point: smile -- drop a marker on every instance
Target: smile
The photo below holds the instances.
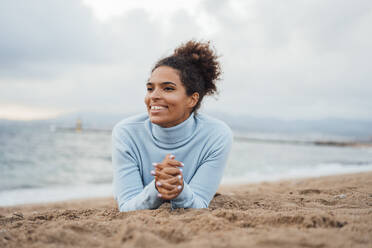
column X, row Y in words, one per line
column 157, row 107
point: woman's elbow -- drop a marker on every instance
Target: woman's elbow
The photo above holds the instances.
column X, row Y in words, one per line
column 125, row 208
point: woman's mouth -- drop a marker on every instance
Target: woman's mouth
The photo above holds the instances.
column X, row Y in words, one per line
column 157, row 108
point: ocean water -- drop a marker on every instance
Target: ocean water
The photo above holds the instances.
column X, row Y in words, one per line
column 41, row 164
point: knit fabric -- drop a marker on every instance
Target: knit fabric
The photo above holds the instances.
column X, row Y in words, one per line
column 201, row 142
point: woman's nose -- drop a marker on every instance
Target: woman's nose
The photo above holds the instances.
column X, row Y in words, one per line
column 155, row 94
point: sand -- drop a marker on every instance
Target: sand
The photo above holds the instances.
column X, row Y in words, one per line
column 333, row 211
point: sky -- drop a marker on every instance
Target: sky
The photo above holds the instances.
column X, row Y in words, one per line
column 291, row 59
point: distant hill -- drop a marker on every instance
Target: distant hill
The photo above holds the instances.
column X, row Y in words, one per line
column 333, row 126
column 361, row 129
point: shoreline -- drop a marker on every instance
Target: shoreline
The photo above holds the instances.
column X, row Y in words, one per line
column 328, row 211
column 86, row 192
column 336, row 143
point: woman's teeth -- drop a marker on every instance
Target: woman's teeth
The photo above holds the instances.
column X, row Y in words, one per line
column 157, row 107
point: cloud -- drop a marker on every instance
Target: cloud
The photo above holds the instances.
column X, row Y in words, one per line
column 293, row 59
column 298, row 60
column 50, row 31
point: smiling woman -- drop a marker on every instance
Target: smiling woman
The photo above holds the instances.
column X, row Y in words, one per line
column 166, row 100
column 172, row 153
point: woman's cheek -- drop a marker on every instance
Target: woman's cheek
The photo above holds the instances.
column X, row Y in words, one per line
column 174, row 100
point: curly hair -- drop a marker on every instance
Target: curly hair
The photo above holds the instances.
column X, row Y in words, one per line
column 198, row 68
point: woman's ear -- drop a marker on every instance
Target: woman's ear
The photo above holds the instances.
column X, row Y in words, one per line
column 193, row 99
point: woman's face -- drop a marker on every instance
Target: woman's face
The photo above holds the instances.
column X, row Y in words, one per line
column 166, row 99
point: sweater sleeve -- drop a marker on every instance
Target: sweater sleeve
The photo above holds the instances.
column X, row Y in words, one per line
column 129, row 190
column 204, row 184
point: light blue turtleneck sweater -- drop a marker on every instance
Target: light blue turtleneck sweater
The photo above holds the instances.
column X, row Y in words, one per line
column 201, row 142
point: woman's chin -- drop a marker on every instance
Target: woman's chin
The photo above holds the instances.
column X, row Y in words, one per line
column 157, row 120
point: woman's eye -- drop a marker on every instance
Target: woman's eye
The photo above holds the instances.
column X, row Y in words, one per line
column 149, row 89
column 168, row 89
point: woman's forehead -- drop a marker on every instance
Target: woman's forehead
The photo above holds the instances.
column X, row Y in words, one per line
column 164, row 74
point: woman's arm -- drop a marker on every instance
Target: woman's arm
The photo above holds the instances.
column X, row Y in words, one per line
column 204, row 184
column 129, row 190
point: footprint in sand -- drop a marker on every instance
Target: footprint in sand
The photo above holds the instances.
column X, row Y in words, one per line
column 309, row 191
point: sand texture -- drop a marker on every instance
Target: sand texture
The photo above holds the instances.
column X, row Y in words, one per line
column 333, row 211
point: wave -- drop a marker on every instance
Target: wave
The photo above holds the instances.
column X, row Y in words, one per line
column 53, row 194
column 322, row 169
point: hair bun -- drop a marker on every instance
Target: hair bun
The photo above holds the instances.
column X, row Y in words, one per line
column 205, row 59
column 198, row 67
column 195, row 56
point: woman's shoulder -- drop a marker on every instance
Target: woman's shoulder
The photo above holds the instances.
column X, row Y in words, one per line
column 134, row 121
column 212, row 124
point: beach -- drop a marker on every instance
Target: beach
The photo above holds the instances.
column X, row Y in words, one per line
column 330, row 211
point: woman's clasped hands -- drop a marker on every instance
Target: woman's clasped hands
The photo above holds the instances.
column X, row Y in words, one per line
column 168, row 177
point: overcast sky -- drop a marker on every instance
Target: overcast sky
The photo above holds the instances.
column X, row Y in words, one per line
column 285, row 59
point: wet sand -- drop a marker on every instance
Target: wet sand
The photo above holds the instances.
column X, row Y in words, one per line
column 334, row 211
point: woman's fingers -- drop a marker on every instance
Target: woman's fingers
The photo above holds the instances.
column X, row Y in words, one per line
column 168, row 174
column 175, row 190
column 167, row 170
column 174, row 163
column 167, row 181
column 159, row 166
column 169, row 163
column 169, row 194
column 163, row 184
column 171, row 171
column 170, row 160
column 170, row 156
column 167, row 189
column 177, row 180
column 159, row 175
column 161, row 190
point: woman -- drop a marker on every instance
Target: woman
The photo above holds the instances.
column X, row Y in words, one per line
column 172, row 153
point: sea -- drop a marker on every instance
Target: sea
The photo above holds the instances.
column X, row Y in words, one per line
column 41, row 163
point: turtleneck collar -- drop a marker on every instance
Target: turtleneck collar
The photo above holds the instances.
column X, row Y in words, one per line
column 178, row 133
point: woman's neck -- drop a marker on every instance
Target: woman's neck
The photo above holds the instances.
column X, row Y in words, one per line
column 174, row 133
